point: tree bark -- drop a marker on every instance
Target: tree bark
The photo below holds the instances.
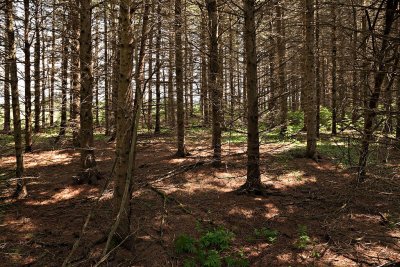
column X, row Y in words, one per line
column 21, row 190
column 180, row 112
column 37, row 67
column 309, row 82
column 28, row 102
column 253, row 181
column 88, row 161
column 380, row 69
column 216, row 91
column 75, row 68
column 157, row 128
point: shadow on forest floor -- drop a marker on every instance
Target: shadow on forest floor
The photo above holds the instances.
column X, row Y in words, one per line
column 348, row 225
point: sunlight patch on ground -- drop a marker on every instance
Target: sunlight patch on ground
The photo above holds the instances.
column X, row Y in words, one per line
column 22, row 225
column 65, row 194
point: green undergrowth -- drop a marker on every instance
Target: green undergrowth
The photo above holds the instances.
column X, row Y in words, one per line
column 212, row 248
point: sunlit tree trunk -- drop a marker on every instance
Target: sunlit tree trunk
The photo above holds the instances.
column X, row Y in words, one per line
column 281, row 47
column 88, row 161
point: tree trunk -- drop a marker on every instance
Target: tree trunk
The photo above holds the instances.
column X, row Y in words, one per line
column 157, row 128
column 37, row 67
column 180, row 112
column 309, row 82
column 216, row 91
column 64, row 82
column 127, row 122
column 281, row 47
column 88, row 161
column 75, row 68
column 21, row 190
column 52, row 71
column 106, row 78
column 7, row 106
column 253, row 181
column 28, row 102
column 380, row 69
column 334, row 70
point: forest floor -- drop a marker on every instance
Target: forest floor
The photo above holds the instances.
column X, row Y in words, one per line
column 314, row 216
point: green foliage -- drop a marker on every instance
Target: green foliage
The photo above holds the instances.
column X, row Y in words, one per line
column 210, row 258
column 269, row 235
column 303, row 240
column 189, row 263
column 185, row 244
column 219, row 239
column 206, row 250
column 296, row 117
column 232, row 261
column 325, row 118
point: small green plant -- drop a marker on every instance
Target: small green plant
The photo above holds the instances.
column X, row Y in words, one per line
column 189, row 263
column 219, row 239
column 269, row 235
column 238, row 261
column 210, row 258
column 325, row 118
column 315, row 254
column 303, row 240
column 206, row 250
column 185, row 244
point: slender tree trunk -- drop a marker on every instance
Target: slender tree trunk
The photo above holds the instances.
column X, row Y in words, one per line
column 52, row 71
column 309, row 82
column 398, row 108
column 95, row 73
column 88, row 161
column 7, row 106
column 157, row 128
column 281, row 47
column 318, row 65
column 37, row 67
column 124, row 122
column 21, row 190
column 44, row 79
column 127, row 124
column 150, row 82
column 64, row 82
column 180, row 115
column 253, row 182
column 380, row 69
column 28, row 101
column 204, row 81
column 171, row 101
column 106, row 78
column 334, row 70
column 216, row 91
column 75, row 68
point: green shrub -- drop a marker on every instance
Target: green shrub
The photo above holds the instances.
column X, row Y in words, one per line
column 206, row 250
column 185, row 244
column 268, row 234
column 296, row 118
column 219, row 239
column 236, row 261
column 325, row 118
column 303, row 240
